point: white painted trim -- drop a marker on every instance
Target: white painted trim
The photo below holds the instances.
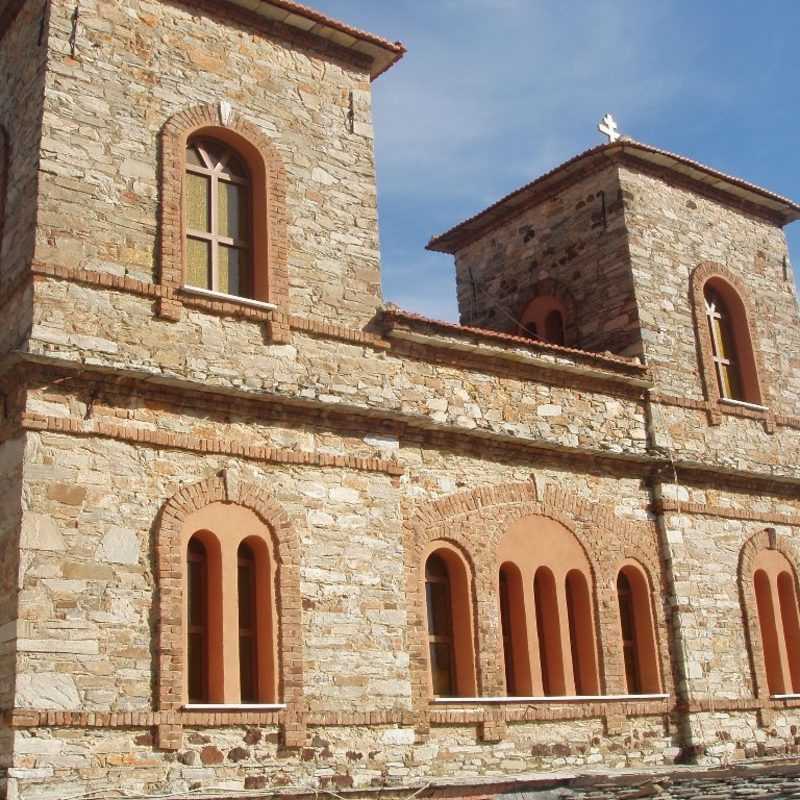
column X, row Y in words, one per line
column 601, row 698
column 794, row 696
column 742, row 404
column 229, row 298
column 215, row 707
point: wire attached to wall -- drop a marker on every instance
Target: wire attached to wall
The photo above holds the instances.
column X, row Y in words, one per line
column 73, row 36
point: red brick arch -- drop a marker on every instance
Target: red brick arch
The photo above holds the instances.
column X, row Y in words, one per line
column 702, row 273
column 767, row 539
column 550, row 287
column 220, row 120
column 475, row 521
column 224, row 488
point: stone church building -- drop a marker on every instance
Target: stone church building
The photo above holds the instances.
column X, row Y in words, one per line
column 260, row 531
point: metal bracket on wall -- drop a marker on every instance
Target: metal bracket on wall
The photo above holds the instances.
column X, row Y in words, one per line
column 73, row 36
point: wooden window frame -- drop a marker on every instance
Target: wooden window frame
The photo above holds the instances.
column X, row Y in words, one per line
column 216, row 175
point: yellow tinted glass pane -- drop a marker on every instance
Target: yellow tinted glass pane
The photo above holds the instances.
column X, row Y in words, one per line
column 198, row 263
column 232, row 210
column 197, row 206
column 233, row 277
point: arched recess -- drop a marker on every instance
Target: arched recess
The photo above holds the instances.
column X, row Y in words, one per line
column 181, row 517
column 769, row 596
column 514, row 627
column 548, row 313
column 724, row 319
column 476, row 521
column 637, row 630
column 221, row 123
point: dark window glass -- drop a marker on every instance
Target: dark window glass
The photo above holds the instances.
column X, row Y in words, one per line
column 440, row 626
column 197, row 601
column 629, row 645
column 248, row 646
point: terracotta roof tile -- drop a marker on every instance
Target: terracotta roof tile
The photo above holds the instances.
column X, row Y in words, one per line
column 394, row 313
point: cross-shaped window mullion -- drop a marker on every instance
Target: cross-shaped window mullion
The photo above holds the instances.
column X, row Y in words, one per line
column 719, row 362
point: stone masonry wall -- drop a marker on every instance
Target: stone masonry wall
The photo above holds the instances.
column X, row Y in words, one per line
column 138, row 63
column 577, row 240
column 672, row 231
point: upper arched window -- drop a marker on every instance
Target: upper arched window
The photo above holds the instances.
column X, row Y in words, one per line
column 218, row 205
column 734, row 364
column 448, row 606
column 774, row 585
column 637, row 632
column 544, row 318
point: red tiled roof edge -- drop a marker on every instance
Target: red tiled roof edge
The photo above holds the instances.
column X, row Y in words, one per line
column 439, row 242
column 398, row 48
column 392, row 313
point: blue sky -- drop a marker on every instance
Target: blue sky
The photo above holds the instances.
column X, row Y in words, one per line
column 494, row 92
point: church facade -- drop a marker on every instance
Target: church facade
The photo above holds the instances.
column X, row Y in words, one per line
column 259, row 531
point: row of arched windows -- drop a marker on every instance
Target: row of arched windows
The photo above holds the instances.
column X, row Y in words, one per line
column 547, row 615
column 546, row 608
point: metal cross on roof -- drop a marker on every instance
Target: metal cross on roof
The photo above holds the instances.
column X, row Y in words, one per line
column 608, row 126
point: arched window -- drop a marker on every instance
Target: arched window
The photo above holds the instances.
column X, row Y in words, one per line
column 218, row 207
column 776, row 603
column 197, row 628
column 734, row 364
column 248, row 629
column 440, row 626
column 544, row 319
column 230, row 615
column 548, row 626
column 637, row 632
column 581, row 637
column 514, row 629
column 449, row 626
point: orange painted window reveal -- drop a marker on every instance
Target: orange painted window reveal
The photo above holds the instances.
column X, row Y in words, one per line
column 449, row 627
column 229, row 614
column 639, row 652
column 731, row 346
column 547, row 611
column 544, row 318
column 774, row 586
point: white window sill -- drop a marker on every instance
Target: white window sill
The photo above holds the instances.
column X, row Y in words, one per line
column 602, row 698
column 742, row 404
column 222, row 707
column 794, row 696
column 229, row 298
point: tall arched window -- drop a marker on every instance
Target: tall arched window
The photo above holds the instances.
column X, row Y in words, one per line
column 440, row 626
column 218, row 219
column 778, row 618
column 637, row 632
column 248, row 629
column 548, row 626
column 197, row 618
column 449, row 624
column 514, row 629
column 581, row 637
column 731, row 349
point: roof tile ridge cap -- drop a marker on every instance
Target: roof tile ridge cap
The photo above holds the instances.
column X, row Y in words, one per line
column 319, row 16
column 399, row 313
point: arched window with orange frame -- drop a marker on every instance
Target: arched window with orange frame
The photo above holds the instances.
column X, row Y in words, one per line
column 637, row 632
column 775, row 589
column 544, row 318
column 449, row 628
